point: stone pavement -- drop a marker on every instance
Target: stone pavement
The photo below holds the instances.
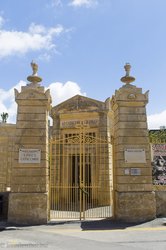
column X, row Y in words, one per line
column 76, row 235
column 103, row 224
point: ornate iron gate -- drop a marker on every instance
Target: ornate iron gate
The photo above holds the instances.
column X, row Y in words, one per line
column 81, row 176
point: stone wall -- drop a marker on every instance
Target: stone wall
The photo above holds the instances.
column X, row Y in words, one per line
column 7, row 141
column 28, row 208
column 160, row 193
column 134, row 196
column 28, row 199
column 135, row 206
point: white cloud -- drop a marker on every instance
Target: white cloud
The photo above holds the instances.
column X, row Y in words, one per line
column 157, row 120
column 84, row 3
column 35, row 28
column 59, row 92
column 37, row 38
column 7, row 101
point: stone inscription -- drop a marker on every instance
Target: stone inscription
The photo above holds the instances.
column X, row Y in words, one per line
column 29, row 155
column 74, row 123
column 135, row 155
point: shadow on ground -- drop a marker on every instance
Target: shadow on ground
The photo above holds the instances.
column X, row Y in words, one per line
column 105, row 225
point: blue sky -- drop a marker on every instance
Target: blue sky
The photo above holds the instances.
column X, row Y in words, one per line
column 81, row 47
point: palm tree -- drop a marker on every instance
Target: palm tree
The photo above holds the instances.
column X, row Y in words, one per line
column 4, row 117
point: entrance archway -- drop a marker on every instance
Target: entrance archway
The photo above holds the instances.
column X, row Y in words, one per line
column 81, row 176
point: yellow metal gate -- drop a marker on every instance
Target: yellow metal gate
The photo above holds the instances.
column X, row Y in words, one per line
column 80, row 176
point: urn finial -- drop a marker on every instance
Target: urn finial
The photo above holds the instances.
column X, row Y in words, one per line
column 34, row 78
column 127, row 78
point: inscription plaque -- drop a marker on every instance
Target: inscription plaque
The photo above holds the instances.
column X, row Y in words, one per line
column 73, row 123
column 29, row 155
column 127, row 171
column 135, row 155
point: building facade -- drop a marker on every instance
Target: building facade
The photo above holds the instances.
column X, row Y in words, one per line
column 94, row 162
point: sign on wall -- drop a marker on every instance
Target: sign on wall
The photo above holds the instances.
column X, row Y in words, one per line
column 135, row 171
column 159, row 163
column 73, row 123
column 29, row 155
column 135, row 155
column 132, row 171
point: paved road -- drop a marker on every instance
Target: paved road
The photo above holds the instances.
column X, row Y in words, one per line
column 98, row 235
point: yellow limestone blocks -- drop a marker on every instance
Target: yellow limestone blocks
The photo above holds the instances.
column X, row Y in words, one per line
column 134, row 196
column 28, row 200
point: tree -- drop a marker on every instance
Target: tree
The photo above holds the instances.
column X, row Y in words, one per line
column 4, row 117
column 157, row 136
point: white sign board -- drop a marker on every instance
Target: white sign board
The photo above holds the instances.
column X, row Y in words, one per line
column 135, row 155
column 29, row 155
column 127, row 171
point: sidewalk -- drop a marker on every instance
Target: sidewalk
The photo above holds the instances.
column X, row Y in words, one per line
column 103, row 224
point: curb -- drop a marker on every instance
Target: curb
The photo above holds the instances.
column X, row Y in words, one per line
column 3, row 228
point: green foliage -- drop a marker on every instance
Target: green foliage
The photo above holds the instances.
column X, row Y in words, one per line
column 157, row 136
column 4, row 117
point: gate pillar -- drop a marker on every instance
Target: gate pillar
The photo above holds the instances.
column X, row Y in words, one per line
column 28, row 199
column 134, row 196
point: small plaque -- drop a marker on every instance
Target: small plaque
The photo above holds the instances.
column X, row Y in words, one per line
column 127, row 171
column 135, row 155
column 135, row 171
column 29, row 155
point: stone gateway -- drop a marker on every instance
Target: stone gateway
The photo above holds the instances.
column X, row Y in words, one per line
column 93, row 162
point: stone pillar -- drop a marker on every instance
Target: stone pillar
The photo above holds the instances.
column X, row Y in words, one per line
column 28, row 200
column 134, row 198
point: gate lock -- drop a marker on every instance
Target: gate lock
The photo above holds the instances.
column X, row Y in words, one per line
column 81, row 188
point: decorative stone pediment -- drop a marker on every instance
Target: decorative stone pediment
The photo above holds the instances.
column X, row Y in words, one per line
column 33, row 94
column 78, row 103
column 130, row 93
